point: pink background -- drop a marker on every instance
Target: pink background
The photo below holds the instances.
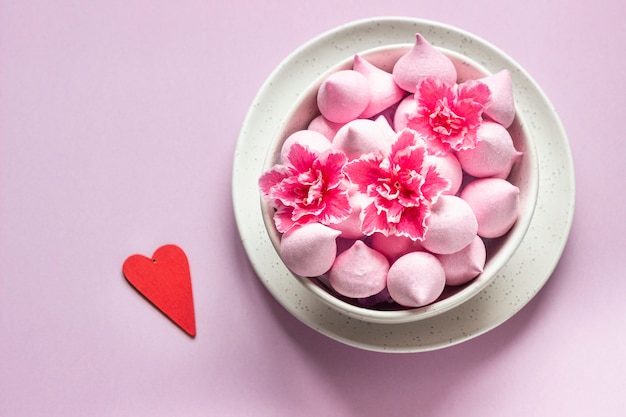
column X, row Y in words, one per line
column 118, row 124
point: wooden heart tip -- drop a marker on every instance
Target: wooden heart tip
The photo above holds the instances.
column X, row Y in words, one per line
column 191, row 332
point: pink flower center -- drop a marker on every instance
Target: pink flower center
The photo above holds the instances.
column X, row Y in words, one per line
column 388, row 190
column 312, row 186
column 444, row 120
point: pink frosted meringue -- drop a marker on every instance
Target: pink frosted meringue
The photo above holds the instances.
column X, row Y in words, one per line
column 359, row 272
column 416, row 279
column 393, row 247
column 422, row 61
column 407, row 107
column 501, row 105
column 466, row 264
column 325, row 127
column 386, row 129
column 363, row 136
column 449, row 167
column 495, row 202
column 384, row 91
column 494, row 154
column 451, row 226
column 313, row 140
column 309, row 250
column 343, row 96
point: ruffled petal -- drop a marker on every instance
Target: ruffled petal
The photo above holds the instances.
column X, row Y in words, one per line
column 365, row 171
column 301, row 157
column 273, row 177
column 434, row 185
column 475, row 91
column 331, row 165
column 372, row 221
column 413, row 222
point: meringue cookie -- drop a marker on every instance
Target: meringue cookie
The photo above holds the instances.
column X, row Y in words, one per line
column 494, row 154
column 416, row 279
column 324, row 126
column 386, row 129
column 495, row 202
column 309, row 250
column 384, row 91
column 359, row 272
column 423, row 61
column 343, row 96
column 363, row 136
column 465, row 265
column 451, row 226
column 406, row 108
column 501, row 105
column 392, row 246
column 313, row 140
column 449, row 167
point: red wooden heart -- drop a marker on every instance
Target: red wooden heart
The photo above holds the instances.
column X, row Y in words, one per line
column 165, row 280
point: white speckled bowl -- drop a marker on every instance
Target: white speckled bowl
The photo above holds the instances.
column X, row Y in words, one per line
column 514, row 286
column 525, row 175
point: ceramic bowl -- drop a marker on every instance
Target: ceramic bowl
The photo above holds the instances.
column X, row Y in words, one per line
column 525, row 175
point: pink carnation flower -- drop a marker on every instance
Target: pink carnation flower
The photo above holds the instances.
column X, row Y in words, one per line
column 448, row 117
column 401, row 186
column 311, row 188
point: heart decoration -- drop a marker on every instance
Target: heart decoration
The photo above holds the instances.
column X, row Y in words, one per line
column 165, row 281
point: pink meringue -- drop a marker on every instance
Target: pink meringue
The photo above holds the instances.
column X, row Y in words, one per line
column 386, row 129
column 501, row 105
column 465, row 265
column 363, row 136
column 451, row 226
column 393, row 246
column 309, row 250
column 343, row 96
column 359, row 272
column 449, row 167
column 422, row 61
column 416, row 279
column 324, row 126
column 495, row 202
column 313, row 140
column 384, row 91
column 494, row 154
column 407, row 107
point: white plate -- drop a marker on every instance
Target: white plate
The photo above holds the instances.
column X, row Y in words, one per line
column 515, row 285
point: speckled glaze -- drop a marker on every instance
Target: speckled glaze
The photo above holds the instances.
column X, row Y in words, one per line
column 515, row 283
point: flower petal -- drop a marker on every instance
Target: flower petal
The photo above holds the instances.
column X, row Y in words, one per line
column 372, row 221
column 282, row 218
column 474, row 90
column 331, row 164
column 274, row 177
column 434, row 185
column 301, row 157
column 365, row 171
column 413, row 223
column 406, row 138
